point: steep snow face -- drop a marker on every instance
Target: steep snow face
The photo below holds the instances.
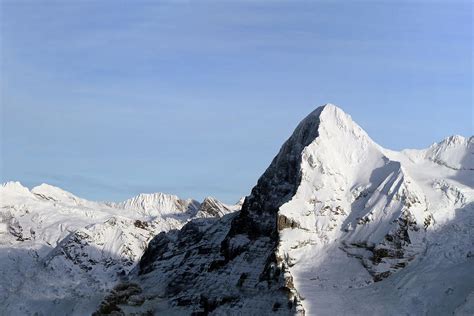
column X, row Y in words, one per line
column 359, row 202
column 76, row 249
column 349, row 189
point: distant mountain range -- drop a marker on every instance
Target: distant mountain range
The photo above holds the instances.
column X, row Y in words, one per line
column 77, row 250
column 337, row 225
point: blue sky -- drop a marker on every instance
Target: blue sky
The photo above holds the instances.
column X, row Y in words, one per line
column 108, row 99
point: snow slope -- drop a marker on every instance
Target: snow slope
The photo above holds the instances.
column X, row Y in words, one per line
column 77, row 249
column 359, row 202
column 337, row 225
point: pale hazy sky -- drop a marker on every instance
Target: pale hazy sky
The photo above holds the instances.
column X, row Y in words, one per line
column 111, row 98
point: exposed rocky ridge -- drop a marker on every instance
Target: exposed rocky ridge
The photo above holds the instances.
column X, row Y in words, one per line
column 211, row 207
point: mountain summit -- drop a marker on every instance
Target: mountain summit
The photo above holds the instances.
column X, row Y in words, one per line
column 336, row 225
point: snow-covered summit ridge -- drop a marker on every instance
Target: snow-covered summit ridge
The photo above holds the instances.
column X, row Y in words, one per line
column 347, row 142
column 456, row 152
column 145, row 203
column 154, row 203
column 13, row 187
column 332, row 117
column 51, row 192
column 340, row 161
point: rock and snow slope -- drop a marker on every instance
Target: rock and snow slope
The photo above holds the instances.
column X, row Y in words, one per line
column 337, row 225
column 389, row 211
column 58, row 252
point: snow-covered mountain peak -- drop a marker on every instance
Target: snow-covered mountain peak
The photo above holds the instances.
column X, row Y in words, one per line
column 455, row 140
column 209, row 200
column 211, row 207
column 334, row 216
column 50, row 192
column 13, row 193
column 335, row 116
column 338, row 126
column 159, row 204
column 331, row 137
column 340, row 151
column 13, row 187
column 455, row 152
column 353, row 193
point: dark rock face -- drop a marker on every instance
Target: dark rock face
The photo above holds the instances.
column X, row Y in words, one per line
column 230, row 265
column 278, row 184
column 140, row 224
column 285, row 222
column 122, row 293
column 156, row 248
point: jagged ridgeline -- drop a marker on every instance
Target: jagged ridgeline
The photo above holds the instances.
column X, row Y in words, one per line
column 336, row 225
column 76, row 249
